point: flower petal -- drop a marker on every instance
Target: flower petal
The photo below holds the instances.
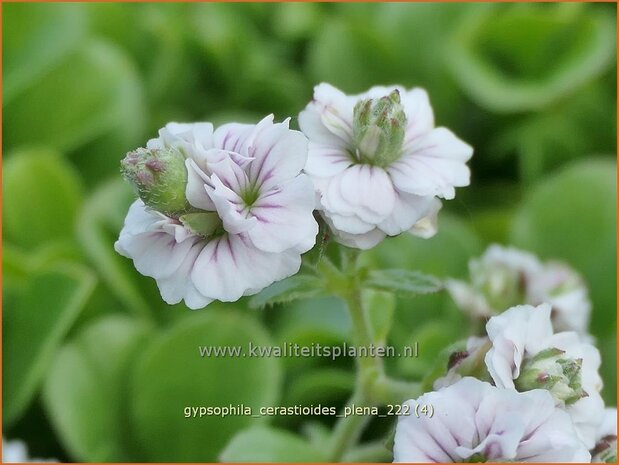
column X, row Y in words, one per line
column 230, row 266
column 362, row 191
column 279, row 155
column 408, row 209
column 433, row 164
column 285, row 217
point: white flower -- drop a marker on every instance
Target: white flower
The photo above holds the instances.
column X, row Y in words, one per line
column 505, row 276
column 17, row 452
column 378, row 162
column 522, row 337
column 249, row 217
column 474, row 421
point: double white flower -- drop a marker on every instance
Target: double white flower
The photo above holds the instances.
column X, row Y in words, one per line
column 246, row 219
column 505, row 276
column 527, row 353
column 474, row 421
column 379, row 164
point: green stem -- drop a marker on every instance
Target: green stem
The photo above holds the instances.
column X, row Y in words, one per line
column 347, row 430
column 373, row 387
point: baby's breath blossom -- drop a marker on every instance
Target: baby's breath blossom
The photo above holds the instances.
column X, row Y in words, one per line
column 16, row 452
column 474, row 421
column 527, row 354
column 505, row 276
column 378, row 163
column 245, row 218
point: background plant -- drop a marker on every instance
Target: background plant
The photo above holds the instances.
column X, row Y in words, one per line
column 97, row 368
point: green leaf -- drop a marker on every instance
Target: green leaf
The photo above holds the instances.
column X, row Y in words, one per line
column 403, row 282
column 43, row 194
column 571, row 216
column 290, row 289
column 104, row 118
column 327, row 386
column 86, row 390
column 34, row 327
column 500, row 54
column 35, row 37
column 380, row 307
column 264, row 444
column 171, row 376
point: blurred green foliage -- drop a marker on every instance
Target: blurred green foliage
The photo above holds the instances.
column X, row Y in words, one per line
column 97, row 368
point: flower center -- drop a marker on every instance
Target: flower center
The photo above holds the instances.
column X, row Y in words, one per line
column 378, row 130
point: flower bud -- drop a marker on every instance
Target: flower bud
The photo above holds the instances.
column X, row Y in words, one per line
column 551, row 370
column 605, row 450
column 160, row 178
column 378, row 129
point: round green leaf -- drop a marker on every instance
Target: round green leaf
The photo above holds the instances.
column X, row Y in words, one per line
column 34, row 327
column 42, row 194
column 264, row 444
column 34, row 38
column 527, row 57
column 88, row 380
column 571, row 216
column 171, row 375
column 60, row 111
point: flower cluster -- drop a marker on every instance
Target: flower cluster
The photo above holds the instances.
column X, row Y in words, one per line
column 505, row 276
column 225, row 212
column 378, row 163
column 240, row 219
column 523, row 392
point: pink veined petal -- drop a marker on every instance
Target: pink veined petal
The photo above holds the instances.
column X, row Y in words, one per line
column 285, row 217
column 280, row 154
column 433, row 164
column 408, row 209
column 229, row 207
column 179, row 285
column 154, row 252
column 230, row 266
column 326, row 161
column 362, row 190
column 236, row 137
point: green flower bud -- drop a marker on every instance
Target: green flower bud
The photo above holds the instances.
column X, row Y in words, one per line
column 160, row 178
column 379, row 127
column 551, row 370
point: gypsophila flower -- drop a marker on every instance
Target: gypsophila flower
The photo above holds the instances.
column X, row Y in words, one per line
column 16, row 452
column 526, row 354
column 505, row 276
column 474, row 421
column 378, row 163
column 246, row 220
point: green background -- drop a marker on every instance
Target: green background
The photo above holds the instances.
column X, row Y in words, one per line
column 97, row 368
